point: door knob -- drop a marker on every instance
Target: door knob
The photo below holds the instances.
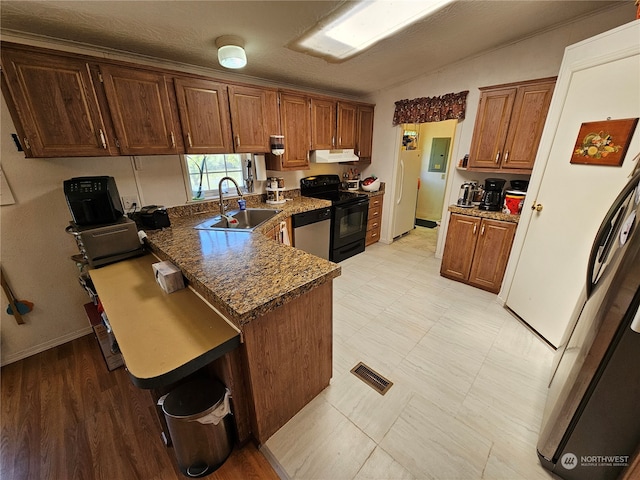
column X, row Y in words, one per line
column 537, row 207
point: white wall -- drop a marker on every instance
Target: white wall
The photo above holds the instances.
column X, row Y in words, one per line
column 535, row 57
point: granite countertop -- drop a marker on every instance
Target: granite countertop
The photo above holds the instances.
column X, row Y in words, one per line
column 370, row 194
column 243, row 274
column 476, row 212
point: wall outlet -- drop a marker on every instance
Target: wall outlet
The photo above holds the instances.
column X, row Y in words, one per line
column 130, row 202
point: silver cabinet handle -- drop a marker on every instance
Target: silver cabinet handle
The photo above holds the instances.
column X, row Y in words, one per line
column 189, row 139
column 475, row 228
column 173, row 140
column 497, row 156
column 506, row 156
column 103, row 140
column 482, row 231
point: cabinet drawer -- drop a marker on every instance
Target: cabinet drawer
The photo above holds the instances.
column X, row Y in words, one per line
column 373, row 223
column 372, row 236
column 375, row 213
column 375, row 202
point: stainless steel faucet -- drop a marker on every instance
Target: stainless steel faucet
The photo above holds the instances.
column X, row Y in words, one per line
column 222, row 208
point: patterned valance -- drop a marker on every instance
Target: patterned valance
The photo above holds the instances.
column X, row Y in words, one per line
column 431, row 109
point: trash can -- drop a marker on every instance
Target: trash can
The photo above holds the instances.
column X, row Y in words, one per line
column 197, row 417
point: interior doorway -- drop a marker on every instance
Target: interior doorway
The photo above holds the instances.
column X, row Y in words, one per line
column 435, row 141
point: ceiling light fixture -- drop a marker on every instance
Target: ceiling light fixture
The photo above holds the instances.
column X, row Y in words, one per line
column 346, row 33
column 231, row 51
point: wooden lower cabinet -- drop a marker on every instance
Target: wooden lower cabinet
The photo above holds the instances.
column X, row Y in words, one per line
column 374, row 220
column 288, row 359
column 476, row 251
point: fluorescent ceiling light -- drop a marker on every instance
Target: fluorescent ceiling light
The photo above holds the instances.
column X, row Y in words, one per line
column 369, row 21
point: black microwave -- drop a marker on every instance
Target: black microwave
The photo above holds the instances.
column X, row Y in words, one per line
column 93, row 200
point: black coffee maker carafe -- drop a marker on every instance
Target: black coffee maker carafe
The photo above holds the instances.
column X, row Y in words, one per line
column 492, row 198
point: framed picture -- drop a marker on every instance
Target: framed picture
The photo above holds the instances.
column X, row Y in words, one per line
column 603, row 143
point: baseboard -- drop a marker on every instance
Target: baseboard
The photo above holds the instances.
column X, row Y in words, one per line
column 274, row 462
column 22, row 354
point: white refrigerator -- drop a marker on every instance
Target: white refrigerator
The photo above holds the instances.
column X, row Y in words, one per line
column 406, row 191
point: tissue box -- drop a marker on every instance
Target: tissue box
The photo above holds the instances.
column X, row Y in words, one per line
column 168, row 276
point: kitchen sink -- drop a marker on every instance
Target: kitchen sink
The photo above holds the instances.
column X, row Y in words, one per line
column 248, row 220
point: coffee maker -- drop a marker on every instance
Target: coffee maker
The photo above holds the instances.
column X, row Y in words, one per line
column 492, row 198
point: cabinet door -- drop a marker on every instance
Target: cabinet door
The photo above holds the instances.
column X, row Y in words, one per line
column 55, row 101
column 141, row 110
column 251, row 111
column 346, row 125
column 323, row 124
column 364, row 133
column 490, row 130
column 296, row 128
column 459, row 246
column 204, row 115
column 525, row 127
column 491, row 254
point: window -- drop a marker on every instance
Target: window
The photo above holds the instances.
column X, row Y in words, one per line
column 204, row 173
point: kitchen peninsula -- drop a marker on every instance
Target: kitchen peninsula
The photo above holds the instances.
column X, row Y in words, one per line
column 279, row 298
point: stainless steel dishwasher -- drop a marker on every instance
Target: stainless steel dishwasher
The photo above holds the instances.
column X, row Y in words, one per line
column 312, row 231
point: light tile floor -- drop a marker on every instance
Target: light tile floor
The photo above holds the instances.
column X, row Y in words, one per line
column 469, row 380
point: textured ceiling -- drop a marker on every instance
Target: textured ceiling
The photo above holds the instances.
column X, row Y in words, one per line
column 185, row 31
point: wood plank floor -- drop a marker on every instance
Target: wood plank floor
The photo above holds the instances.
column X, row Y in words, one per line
column 65, row 416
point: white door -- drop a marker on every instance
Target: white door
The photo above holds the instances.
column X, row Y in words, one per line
column 551, row 269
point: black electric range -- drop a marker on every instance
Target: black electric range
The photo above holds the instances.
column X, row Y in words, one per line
column 349, row 212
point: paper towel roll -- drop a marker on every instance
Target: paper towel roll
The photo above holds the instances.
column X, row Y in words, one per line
column 261, row 168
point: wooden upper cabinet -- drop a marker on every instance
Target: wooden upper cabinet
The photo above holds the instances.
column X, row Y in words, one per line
column 333, row 124
column 204, row 115
column 54, row 100
column 490, row 130
column 253, row 118
column 295, row 123
column 508, row 125
column 323, row 124
column 65, row 105
column 527, row 121
column 141, row 110
column 346, row 125
column 364, row 133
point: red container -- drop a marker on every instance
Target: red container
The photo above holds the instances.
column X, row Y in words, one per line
column 513, row 201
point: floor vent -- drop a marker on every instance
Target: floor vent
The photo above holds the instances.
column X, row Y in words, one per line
column 372, row 378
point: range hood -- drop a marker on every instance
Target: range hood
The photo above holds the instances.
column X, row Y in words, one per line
column 334, row 156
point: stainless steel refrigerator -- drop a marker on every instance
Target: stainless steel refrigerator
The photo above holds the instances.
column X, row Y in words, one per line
column 591, row 426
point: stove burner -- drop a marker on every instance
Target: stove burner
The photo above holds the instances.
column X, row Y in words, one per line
column 327, row 187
